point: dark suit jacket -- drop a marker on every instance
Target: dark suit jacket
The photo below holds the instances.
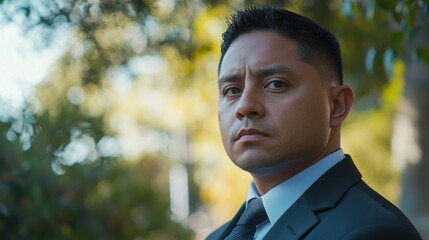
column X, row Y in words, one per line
column 339, row 205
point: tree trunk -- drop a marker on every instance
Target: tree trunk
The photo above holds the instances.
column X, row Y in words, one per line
column 410, row 139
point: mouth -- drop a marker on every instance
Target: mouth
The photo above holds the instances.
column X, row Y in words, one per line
column 250, row 134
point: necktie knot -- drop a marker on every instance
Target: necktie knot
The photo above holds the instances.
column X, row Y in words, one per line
column 253, row 215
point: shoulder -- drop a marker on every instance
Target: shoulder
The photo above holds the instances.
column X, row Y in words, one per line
column 382, row 231
column 362, row 213
column 363, row 201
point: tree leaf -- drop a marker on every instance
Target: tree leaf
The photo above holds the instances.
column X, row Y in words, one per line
column 388, row 60
column 370, row 59
column 347, row 8
column 422, row 55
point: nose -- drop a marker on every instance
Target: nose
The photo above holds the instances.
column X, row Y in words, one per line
column 250, row 105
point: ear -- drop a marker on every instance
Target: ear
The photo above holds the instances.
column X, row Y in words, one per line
column 342, row 98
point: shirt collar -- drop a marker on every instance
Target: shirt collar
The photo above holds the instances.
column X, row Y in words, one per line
column 280, row 198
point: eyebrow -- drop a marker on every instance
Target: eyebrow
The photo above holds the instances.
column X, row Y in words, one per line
column 234, row 77
column 260, row 73
column 274, row 69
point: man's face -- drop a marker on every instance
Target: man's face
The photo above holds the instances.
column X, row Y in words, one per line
column 273, row 109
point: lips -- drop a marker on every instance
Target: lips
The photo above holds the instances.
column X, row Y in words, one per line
column 250, row 133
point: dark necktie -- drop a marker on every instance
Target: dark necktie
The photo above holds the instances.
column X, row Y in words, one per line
column 253, row 215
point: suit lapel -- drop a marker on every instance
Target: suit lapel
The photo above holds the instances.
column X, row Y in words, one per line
column 322, row 195
column 294, row 223
column 331, row 186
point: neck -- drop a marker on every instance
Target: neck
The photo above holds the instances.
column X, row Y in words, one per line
column 268, row 181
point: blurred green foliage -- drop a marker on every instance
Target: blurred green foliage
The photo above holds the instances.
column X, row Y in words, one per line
column 111, row 199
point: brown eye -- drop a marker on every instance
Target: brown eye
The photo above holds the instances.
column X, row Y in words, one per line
column 275, row 85
column 231, row 91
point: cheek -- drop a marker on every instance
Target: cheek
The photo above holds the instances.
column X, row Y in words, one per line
column 224, row 124
column 305, row 117
column 315, row 120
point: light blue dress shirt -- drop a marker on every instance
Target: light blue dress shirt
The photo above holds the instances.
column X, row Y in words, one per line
column 275, row 202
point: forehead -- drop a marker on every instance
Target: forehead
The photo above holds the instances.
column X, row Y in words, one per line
column 258, row 49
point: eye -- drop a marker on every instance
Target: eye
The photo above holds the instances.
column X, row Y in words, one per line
column 276, row 85
column 231, row 91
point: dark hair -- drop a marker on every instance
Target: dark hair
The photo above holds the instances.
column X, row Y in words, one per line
column 313, row 40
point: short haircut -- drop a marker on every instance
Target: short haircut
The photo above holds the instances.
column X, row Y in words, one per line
column 314, row 42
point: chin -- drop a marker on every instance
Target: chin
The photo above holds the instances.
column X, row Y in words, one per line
column 258, row 167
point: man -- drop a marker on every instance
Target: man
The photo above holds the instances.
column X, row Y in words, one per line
column 282, row 102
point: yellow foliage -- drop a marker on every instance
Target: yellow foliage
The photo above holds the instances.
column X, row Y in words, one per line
column 366, row 137
column 209, row 26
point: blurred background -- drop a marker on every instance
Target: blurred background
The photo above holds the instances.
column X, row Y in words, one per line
column 108, row 126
